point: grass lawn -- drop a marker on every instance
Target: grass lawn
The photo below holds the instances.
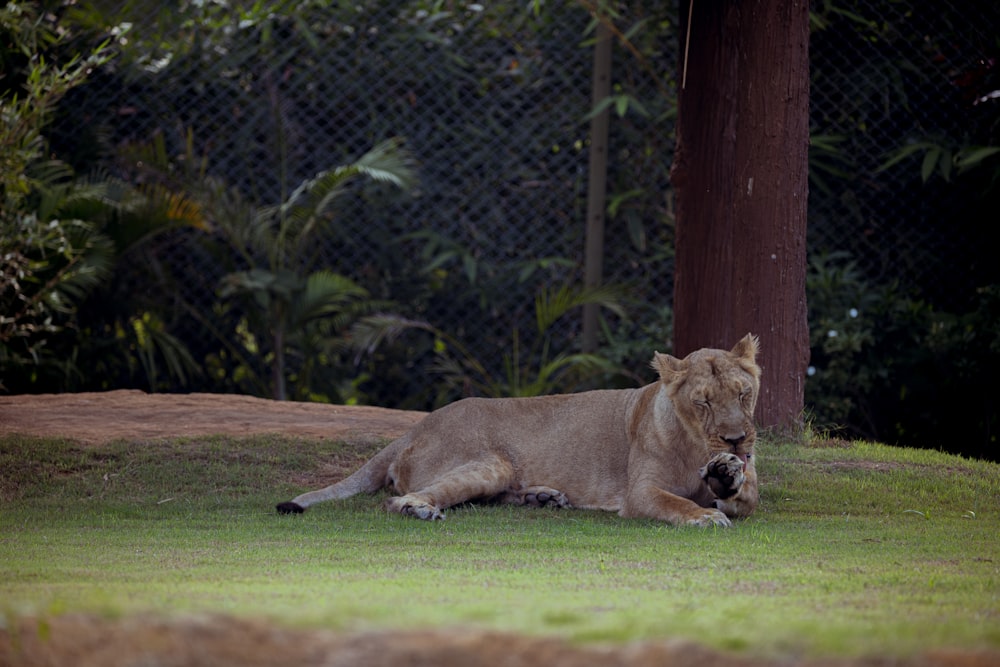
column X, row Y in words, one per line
column 856, row 549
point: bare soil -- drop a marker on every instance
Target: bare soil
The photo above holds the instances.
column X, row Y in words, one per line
column 150, row 641
column 140, row 641
column 95, row 418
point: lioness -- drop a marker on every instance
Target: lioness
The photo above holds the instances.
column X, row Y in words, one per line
column 679, row 449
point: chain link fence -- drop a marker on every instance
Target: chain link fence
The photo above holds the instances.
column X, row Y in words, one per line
column 902, row 79
column 493, row 99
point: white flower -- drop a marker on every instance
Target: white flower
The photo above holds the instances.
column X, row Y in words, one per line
column 811, row 371
column 853, row 312
column 832, row 333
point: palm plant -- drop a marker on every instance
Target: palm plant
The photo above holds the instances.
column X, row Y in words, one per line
column 277, row 246
column 531, row 372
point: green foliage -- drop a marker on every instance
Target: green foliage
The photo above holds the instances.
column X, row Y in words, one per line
column 51, row 249
column 901, row 114
column 532, row 372
column 840, row 306
column 32, row 86
column 285, row 296
column 62, row 237
column 944, row 160
column 878, row 354
column 266, row 304
column 644, row 101
column 275, row 130
column 904, row 176
column 829, row 163
column 856, row 549
column 48, row 268
column 630, row 343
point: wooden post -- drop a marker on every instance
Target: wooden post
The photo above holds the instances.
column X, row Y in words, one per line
column 597, row 181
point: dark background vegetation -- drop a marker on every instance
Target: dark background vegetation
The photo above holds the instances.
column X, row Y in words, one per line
column 127, row 177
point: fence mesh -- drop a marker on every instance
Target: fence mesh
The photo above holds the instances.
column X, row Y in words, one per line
column 493, row 99
column 887, row 76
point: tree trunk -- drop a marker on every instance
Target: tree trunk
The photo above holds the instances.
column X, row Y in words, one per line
column 740, row 176
column 279, row 391
column 600, row 88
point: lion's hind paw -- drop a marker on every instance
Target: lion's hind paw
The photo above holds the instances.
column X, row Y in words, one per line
column 543, row 496
column 409, row 506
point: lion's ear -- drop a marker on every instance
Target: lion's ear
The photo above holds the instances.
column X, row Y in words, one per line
column 747, row 348
column 670, row 368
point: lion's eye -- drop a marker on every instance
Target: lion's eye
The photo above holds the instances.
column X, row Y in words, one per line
column 700, row 402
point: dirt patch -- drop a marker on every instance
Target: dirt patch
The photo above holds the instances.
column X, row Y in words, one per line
column 95, row 418
column 88, row 641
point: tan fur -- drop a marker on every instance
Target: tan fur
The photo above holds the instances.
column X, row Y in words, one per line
column 679, row 450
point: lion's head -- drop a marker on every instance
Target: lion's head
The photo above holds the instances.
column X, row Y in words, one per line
column 714, row 393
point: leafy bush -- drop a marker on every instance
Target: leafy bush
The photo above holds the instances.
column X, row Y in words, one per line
column 51, row 248
column 891, row 367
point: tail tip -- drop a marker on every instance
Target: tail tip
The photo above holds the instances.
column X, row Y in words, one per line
column 290, row 508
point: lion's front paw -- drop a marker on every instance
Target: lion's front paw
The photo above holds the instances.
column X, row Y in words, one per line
column 724, row 474
column 710, row 517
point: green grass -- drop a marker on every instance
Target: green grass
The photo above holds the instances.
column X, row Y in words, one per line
column 855, row 550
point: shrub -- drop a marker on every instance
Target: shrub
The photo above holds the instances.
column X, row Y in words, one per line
column 888, row 366
column 51, row 249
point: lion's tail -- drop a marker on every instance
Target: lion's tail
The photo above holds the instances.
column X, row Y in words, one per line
column 369, row 478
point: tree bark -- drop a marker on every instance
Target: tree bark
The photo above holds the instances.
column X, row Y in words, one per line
column 740, row 178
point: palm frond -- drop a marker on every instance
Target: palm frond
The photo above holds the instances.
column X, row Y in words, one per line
column 370, row 332
column 389, row 162
column 89, row 263
column 47, row 173
column 153, row 342
column 248, row 230
column 551, row 304
column 464, row 378
column 51, row 182
column 326, row 294
column 265, row 286
column 174, row 208
column 549, row 373
column 300, row 214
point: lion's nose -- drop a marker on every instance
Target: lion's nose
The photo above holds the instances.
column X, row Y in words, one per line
column 735, row 440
